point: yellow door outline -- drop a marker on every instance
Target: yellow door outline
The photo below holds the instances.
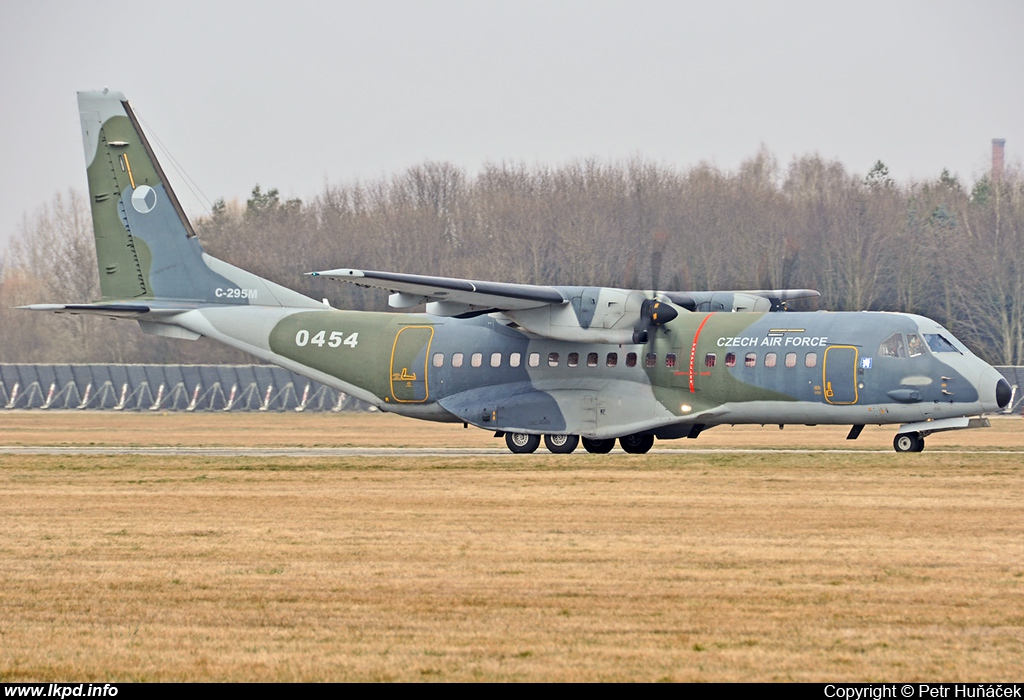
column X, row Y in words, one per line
column 827, row 385
column 409, row 374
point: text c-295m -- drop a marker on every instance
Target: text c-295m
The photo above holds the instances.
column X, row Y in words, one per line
column 234, row 293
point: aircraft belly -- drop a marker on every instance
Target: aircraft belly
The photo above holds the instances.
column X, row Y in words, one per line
column 517, row 406
column 813, row 413
column 620, row 408
column 432, row 411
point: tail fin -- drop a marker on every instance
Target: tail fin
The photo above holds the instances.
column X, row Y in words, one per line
column 145, row 245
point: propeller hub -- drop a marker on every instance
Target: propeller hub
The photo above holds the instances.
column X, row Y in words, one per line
column 657, row 313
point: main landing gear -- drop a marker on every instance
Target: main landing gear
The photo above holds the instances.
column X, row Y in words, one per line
column 523, row 443
column 561, row 444
column 598, row 447
column 908, row 442
column 636, row 444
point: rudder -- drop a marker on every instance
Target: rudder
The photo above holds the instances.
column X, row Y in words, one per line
column 132, row 207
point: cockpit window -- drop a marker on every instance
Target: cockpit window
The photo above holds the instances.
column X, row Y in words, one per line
column 939, row 344
column 893, row 346
column 915, row 345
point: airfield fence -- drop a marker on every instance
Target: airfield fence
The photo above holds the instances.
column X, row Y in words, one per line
column 208, row 388
column 166, row 388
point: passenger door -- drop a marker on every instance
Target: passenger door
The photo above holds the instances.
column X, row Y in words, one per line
column 839, row 375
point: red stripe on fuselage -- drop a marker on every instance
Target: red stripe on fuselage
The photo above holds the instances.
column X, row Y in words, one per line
column 693, row 349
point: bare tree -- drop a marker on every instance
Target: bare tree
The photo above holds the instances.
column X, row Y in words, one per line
column 864, row 242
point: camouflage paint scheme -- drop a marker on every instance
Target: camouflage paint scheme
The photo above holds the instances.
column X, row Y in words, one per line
column 152, row 269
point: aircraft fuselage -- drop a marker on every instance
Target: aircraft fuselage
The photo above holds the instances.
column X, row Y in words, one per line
column 707, row 369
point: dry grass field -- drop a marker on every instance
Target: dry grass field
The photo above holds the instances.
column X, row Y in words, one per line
column 684, row 565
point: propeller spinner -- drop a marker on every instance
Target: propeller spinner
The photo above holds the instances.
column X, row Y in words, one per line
column 653, row 313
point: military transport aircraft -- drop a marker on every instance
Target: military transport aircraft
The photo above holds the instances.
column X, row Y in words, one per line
column 566, row 364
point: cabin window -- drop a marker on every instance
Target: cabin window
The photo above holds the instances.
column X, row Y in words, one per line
column 670, row 359
column 592, row 359
column 939, row 344
column 892, row 347
column 534, row 359
column 730, row 359
column 790, row 359
column 495, row 359
column 915, row 345
column 552, row 359
column 710, row 359
column 811, row 359
column 613, row 359
column 631, row 359
column 438, row 359
column 477, row 359
column 573, row 359
column 651, row 359
column 750, row 360
column 770, row 359
column 457, row 360
column 514, row 359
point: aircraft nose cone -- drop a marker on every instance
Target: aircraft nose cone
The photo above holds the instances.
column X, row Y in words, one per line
column 1003, row 393
column 995, row 391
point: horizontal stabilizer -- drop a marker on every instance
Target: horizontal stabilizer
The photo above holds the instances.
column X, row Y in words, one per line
column 115, row 309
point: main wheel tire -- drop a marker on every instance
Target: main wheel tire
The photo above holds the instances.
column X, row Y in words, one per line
column 598, row 447
column 521, row 443
column 908, row 442
column 561, row 444
column 636, row 444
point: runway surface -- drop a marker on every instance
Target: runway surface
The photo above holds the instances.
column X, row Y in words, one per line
column 408, row 451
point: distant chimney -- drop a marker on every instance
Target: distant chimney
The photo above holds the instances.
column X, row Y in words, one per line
column 998, row 145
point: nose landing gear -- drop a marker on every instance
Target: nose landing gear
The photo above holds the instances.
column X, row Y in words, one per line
column 908, row 442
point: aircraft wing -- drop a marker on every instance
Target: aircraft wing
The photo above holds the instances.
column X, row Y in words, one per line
column 453, row 296
column 587, row 314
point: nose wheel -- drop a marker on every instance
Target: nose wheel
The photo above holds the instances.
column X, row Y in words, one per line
column 908, row 442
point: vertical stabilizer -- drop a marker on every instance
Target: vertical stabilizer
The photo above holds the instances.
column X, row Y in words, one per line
column 145, row 245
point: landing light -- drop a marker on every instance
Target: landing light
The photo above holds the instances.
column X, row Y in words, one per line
column 686, row 408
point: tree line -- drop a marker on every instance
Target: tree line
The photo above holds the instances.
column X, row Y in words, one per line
column 939, row 248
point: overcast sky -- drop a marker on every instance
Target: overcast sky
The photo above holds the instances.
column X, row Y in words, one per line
column 295, row 94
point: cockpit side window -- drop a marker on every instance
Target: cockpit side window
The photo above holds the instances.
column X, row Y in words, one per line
column 892, row 346
column 915, row 345
column 939, row 343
